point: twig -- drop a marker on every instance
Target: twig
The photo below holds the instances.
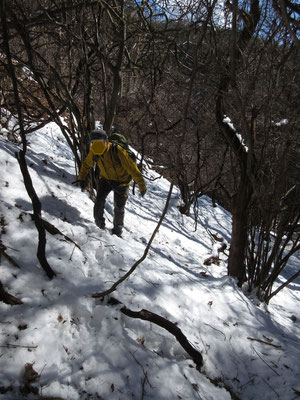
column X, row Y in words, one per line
column 270, row 387
column 265, row 362
column 50, row 228
column 70, row 259
column 11, row 260
column 15, row 346
column 218, row 330
column 263, row 341
column 145, row 380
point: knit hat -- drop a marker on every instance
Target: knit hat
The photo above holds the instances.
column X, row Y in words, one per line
column 98, row 134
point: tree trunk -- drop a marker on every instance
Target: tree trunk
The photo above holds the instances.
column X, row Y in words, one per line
column 36, row 204
column 241, row 199
column 37, row 209
column 239, row 236
column 117, row 77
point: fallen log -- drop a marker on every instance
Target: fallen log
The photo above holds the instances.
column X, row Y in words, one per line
column 166, row 324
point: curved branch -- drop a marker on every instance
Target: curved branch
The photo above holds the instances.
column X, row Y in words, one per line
column 37, row 209
column 9, row 258
column 286, row 20
column 138, row 262
column 170, row 327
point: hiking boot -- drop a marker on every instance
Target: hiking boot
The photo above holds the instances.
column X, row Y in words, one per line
column 101, row 224
column 117, row 232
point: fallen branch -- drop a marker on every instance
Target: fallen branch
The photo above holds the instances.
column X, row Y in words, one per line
column 264, row 342
column 8, row 298
column 145, row 380
column 54, row 231
column 171, row 327
column 17, row 346
column 11, row 260
column 265, row 362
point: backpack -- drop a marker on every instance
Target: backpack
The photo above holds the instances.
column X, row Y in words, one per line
column 121, row 140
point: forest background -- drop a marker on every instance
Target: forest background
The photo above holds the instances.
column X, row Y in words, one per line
column 208, row 90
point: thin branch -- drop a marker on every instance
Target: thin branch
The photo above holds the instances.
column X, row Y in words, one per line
column 50, row 228
column 138, row 262
column 7, row 298
column 264, row 342
column 8, row 257
column 292, row 278
column 265, row 361
column 286, row 22
column 17, row 346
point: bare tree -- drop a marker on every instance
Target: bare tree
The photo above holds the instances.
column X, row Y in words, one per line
column 204, row 99
column 21, row 156
column 254, row 97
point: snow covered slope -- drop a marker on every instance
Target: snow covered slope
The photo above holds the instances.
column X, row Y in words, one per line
column 83, row 348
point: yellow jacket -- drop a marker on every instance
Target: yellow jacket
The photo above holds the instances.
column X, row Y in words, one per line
column 111, row 169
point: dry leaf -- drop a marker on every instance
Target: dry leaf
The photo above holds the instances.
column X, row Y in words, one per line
column 30, row 375
column 60, row 318
column 269, row 340
column 141, row 340
column 195, row 387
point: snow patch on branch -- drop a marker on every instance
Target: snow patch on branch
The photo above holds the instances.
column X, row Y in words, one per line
column 282, row 122
column 227, row 121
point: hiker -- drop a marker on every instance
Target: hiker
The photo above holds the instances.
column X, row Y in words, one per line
column 117, row 169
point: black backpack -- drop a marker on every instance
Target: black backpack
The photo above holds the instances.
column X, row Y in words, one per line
column 121, row 140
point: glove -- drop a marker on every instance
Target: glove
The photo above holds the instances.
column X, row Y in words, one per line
column 81, row 183
column 143, row 192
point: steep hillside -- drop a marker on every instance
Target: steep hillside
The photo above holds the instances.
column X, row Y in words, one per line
column 63, row 343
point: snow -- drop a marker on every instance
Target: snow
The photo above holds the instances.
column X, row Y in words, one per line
column 85, row 348
column 228, row 121
column 282, row 122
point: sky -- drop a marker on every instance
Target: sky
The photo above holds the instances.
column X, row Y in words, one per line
column 63, row 343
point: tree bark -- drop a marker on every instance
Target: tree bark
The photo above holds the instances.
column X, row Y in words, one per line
column 242, row 197
column 117, row 77
column 36, row 204
column 239, row 233
column 37, row 207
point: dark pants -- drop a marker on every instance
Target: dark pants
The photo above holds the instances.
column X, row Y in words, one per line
column 120, row 198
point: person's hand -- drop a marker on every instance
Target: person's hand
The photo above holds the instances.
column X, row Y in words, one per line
column 143, row 192
column 81, row 183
